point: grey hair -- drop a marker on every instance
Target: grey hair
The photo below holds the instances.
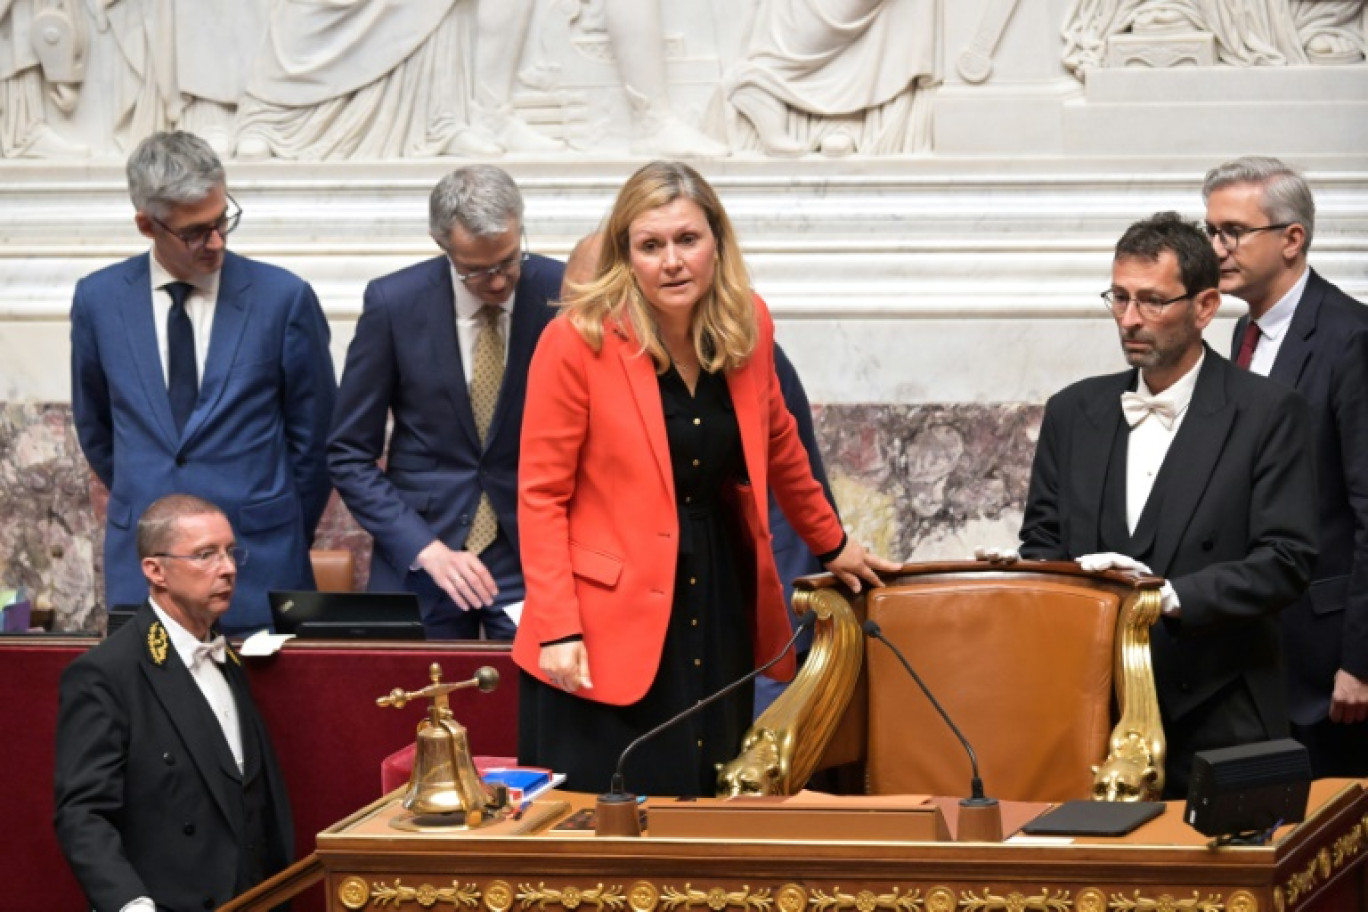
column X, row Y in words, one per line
column 171, row 169
column 160, row 522
column 482, row 199
column 1286, row 195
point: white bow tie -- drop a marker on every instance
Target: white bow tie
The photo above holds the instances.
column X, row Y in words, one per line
column 216, row 649
column 1137, row 408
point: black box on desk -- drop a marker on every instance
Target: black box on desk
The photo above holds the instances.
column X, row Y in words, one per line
column 1248, row 788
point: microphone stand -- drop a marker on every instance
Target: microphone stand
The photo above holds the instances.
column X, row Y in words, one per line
column 615, row 813
column 980, row 817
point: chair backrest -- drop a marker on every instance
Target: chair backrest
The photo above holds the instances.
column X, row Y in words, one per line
column 1044, row 668
column 1023, row 667
column 334, row 570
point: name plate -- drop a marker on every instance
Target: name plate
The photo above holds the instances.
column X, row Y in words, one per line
column 900, row 818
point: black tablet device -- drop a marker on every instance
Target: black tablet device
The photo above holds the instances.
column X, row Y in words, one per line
column 1094, row 818
column 347, row 615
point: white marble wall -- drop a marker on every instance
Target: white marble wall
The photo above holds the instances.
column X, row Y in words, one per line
column 893, row 280
column 933, row 258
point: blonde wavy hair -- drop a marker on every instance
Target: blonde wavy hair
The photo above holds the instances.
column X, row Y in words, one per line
column 724, row 328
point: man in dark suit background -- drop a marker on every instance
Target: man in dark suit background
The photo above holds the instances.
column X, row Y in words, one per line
column 168, row 793
column 443, row 347
column 197, row 370
column 1193, row 468
column 1303, row 332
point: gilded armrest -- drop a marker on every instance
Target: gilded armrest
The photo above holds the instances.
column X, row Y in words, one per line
column 781, row 750
column 1134, row 768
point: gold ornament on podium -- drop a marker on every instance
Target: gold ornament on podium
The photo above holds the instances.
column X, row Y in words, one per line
column 445, row 790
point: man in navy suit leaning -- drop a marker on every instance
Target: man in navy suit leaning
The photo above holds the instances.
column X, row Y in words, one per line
column 197, row 370
column 168, row 793
column 442, row 348
column 1305, row 333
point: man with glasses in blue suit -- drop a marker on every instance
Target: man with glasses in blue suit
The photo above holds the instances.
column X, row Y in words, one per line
column 200, row 371
column 442, row 350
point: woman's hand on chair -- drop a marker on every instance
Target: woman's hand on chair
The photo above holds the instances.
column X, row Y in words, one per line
column 854, row 564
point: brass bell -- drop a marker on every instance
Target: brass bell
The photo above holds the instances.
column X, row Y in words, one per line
column 444, row 788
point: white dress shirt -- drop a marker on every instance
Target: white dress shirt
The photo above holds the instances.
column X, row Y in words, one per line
column 1273, row 327
column 1149, row 442
column 210, row 679
column 199, row 305
column 468, row 324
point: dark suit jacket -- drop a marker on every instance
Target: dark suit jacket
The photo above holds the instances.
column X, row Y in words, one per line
column 405, row 361
column 1324, row 356
column 1230, row 522
column 149, row 799
column 254, row 445
column 791, row 554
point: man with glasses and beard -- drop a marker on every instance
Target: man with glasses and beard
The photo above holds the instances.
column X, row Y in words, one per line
column 1192, row 469
column 168, row 792
column 1303, row 332
column 197, row 370
column 442, row 349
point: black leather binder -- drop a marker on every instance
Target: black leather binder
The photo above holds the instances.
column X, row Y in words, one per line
column 1094, row 818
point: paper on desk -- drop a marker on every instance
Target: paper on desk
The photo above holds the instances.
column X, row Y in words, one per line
column 1028, row 839
column 264, row 643
column 514, row 612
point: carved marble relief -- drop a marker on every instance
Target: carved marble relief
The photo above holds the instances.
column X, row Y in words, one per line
column 43, row 46
column 312, row 80
column 1102, row 33
column 384, row 79
column 835, row 76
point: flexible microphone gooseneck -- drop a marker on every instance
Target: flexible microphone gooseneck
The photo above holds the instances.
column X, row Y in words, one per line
column 805, row 622
column 616, row 811
column 977, row 798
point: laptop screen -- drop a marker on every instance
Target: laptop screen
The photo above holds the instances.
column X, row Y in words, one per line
column 347, row 615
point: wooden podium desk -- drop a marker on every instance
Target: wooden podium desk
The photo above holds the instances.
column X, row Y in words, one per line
column 1162, row 867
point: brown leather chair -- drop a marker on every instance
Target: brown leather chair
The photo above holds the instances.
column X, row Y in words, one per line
column 1032, row 660
column 334, row 569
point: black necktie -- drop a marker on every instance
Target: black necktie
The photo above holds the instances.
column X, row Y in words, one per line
column 182, row 377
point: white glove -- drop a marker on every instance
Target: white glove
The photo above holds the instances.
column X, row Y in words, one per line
column 1110, row 560
column 997, row 555
column 1168, row 601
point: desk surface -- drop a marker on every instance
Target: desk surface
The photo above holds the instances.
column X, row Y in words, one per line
column 1164, row 866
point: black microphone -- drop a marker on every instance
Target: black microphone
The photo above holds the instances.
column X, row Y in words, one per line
column 617, row 793
column 977, row 798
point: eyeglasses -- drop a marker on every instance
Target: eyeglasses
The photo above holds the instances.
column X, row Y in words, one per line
column 1151, row 307
column 1231, row 235
column 210, row 558
column 508, row 266
column 195, row 237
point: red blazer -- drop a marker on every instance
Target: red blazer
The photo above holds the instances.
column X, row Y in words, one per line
column 596, row 504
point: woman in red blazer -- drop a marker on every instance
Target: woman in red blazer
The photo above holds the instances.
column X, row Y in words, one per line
column 654, row 428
